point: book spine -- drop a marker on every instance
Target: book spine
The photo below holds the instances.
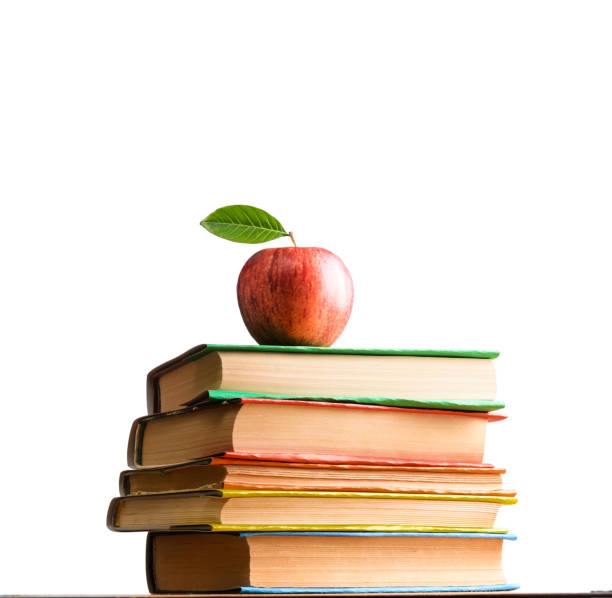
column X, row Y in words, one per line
column 124, row 483
column 111, row 516
column 150, row 564
column 134, row 450
column 153, row 394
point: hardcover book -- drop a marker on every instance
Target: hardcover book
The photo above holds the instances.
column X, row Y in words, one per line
column 325, row 562
column 299, row 431
column 228, row 510
column 250, row 474
column 412, row 378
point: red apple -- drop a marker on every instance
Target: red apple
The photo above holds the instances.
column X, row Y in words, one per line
column 295, row 296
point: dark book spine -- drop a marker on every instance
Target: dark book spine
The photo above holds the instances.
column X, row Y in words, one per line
column 135, row 442
column 111, row 515
column 153, row 393
column 125, row 477
column 134, row 450
column 124, row 483
column 150, row 564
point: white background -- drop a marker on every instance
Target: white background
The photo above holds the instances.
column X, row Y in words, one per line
column 456, row 155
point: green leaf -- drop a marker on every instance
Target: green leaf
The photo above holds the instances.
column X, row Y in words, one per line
column 243, row 224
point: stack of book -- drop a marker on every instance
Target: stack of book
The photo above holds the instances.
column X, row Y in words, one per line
column 307, row 469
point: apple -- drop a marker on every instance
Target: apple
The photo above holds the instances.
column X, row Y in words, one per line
column 295, row 296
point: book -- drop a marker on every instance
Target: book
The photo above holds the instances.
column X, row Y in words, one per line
column 247, row 474
column 291, row 430
column 227, row 510
column 325, row 562
column 411, row 378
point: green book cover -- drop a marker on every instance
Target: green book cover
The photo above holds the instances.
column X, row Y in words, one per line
column 203, row 349
column 450, row 404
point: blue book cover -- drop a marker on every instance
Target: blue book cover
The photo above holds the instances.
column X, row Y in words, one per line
column 403, row 590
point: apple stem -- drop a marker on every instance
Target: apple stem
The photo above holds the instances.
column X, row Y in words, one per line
column 292, row 239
